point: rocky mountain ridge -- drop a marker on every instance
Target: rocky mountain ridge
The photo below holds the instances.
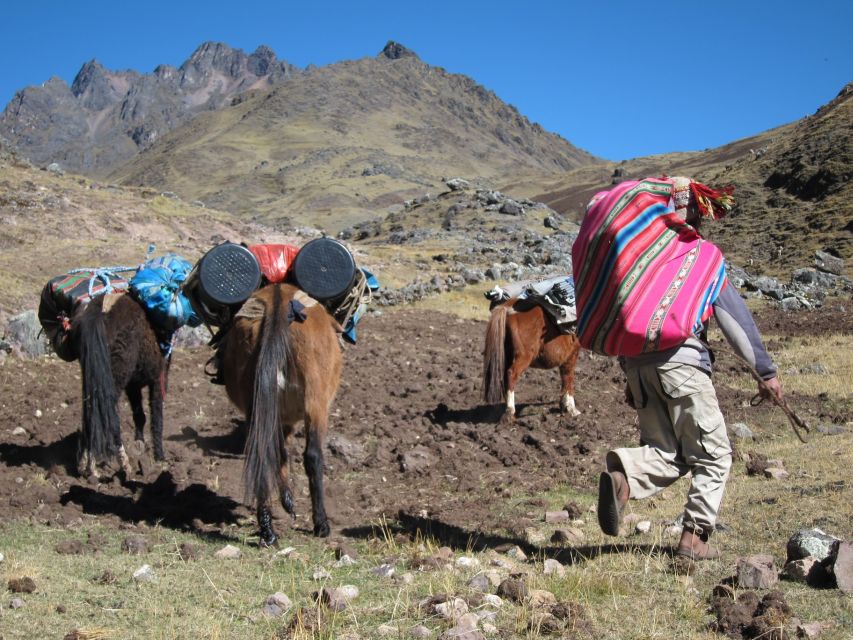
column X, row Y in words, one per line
column 105, row 117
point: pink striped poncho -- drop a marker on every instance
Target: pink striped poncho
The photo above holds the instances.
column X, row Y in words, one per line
column 644, row 279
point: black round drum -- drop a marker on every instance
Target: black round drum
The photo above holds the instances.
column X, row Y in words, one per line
column 324, row 269
column 228, row 274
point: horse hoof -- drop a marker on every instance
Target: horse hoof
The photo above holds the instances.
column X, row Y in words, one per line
column 269, row 541
column 322, row 530
column 507, row 418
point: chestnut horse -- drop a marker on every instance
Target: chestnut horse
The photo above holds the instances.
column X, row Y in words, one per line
column 282, row 363
column 118, row 349
column 520, row 334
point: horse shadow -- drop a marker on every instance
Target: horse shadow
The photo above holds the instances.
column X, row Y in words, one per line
column 161, row 503
column 61, row 453
column 465, row 540
column 442, row 414
column 486, row 413
column 228, row 445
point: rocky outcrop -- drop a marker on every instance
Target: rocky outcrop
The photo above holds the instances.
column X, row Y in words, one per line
column 105, row 117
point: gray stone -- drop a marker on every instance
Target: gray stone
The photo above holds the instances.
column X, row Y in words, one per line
column 742, row 431
column 810, row 542
column 420, row 631
column 831, row 429
column 383, row 571
column 479, row 583
column 54, row 167
column 554, row 517
column 809, row 630
column 457, row 184
column 512, row 208
column 23, row 331
column 16, row 603
column 229, row 552
column 829, row 263
column 452, row 609
column 756, row 572
column 791, row 304
column 775, row 473
column 553, row 567
column 144, row 574
column 799, row 570
column 842, row 568
column 386, row 630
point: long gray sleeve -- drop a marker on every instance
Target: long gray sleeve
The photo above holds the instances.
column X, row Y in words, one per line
column 738, row 327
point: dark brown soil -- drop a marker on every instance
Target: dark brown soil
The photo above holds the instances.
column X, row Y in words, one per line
column 410, row 440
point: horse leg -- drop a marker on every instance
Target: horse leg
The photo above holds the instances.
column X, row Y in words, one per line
column 519, row 365
column 314, row 432
column 267, row 533
column 567, row 390
column 156, row 392
column 284, row 491
column 134, row 396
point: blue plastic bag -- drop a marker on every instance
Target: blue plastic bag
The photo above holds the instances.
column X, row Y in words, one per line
column 157, row 285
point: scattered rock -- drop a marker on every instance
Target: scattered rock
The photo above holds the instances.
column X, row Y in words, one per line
column 643, row 526
column 809, row 630
column 842, row 568
column 539, row 598
column 756, row 572
column 775, row 473
column 514, row 590
column 338, row 598
column 452, row 609
column 810, row 542
column 420, row 631
column 229, row 552
column 479, row 583
column 553, row 567
column 144, row 574
column 742, row 431
column 382, row 571
column 276, row 605
column 16, row 603
column 556, row 517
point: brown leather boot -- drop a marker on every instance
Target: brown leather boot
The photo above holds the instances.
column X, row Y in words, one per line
column 694, row 546
column 613, row 494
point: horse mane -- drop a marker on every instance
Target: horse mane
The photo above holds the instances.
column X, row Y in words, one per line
column 265, row 438
column 494, row 356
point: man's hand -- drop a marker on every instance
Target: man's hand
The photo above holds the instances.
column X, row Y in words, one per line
column 770, row 388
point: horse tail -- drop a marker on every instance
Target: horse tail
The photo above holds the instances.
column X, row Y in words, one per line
column 494, row 357
column 101, row 432
column 266, row 436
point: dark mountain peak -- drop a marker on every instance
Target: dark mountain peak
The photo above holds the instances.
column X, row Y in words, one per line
column 395, row 51
column 90, row 73
column 261, row 61
column 97, row 87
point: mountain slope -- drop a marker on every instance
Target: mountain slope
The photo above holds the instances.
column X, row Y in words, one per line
column 343, row 141
column 792, row 185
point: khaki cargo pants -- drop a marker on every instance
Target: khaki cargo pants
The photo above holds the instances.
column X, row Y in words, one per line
column 682, row 430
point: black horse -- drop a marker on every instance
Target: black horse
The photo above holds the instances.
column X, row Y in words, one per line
column 118, row 349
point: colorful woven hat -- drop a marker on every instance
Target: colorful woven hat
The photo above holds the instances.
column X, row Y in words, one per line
column 712, row 203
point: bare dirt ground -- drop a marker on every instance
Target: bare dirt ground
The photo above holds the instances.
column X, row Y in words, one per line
column 410, row 438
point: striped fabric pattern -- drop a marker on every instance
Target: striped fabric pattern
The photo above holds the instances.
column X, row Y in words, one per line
column 644, row 280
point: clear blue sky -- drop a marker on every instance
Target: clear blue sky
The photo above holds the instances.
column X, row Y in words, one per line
column 619, row 79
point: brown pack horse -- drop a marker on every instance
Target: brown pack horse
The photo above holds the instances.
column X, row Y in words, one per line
column 282, row 364
column 519, row 335
column 118, row 349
